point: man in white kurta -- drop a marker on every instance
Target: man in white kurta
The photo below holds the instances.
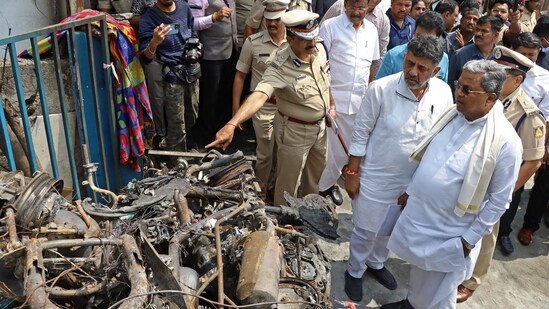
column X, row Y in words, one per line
column 352, row 44
column 436, row 232
column 396, row 113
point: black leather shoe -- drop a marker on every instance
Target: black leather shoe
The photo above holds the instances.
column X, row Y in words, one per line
column 333, row 194
column 505, row 244
column 403, row 304
column 384, row 277
column 353, row 287
column 337, row 198
column 546, row 218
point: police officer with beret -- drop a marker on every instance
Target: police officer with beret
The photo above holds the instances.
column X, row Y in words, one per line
column 299, row 78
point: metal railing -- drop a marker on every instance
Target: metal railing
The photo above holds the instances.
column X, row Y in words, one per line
column 76, row 64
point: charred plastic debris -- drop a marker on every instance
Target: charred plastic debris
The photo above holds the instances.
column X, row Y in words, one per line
column 194, row 236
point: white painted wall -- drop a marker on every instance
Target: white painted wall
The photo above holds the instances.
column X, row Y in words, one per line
column 24, row 16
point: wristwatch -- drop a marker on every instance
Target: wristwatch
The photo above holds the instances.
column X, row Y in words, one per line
column 467, row 245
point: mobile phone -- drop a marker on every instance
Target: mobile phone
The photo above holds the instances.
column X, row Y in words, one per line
column 175, row 28
column 515, row 5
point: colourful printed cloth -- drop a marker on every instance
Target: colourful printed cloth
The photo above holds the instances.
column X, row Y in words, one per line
column 133, row 110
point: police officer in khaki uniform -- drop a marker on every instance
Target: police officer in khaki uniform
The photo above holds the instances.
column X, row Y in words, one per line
column 255, row 18
column 529, row 124
column 299, row 78
column 256, row 52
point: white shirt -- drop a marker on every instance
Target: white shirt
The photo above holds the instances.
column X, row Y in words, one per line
column 376, row 17
column 536, row 86
column 428, row 232
column 388, row 127
column 351, row 53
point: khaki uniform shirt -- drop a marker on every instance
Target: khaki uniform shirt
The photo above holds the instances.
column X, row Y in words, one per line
column 255, row 54
column 528, row 20
column 532, row 129
column 255, row 19
column 301, row 88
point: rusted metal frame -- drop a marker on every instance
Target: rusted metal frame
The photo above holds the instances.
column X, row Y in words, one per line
column 217, row 232
column 84, row 291
column 136, row 274
column 34, row 282
column 12, row 228
column 90, row 171
column 44, row 106
column 174, row 248
column 68, row 243
column 182, row 207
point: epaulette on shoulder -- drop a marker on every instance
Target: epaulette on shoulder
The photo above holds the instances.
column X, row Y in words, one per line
column 280, row 58
column 256, row 36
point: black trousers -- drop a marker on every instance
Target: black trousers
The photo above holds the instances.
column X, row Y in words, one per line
column 539, row 197
column 215, row 103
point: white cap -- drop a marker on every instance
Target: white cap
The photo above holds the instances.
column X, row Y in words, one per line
column 302, row 23
column 274, row 9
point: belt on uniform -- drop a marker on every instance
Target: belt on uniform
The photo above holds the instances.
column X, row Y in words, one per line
column 292, row 119
column 271, row 100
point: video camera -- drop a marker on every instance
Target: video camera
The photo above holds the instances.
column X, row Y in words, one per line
column 192, row 47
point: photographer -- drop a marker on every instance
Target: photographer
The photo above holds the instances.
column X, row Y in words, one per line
column 170, row 50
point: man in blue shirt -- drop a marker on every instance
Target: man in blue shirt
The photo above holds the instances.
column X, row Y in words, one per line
column 486, row 36
column 164, row 31
column 402, row 25
column 428, row 23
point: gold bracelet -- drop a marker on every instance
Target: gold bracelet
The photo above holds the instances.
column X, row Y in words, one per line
column 150, row 50
column 214, row 15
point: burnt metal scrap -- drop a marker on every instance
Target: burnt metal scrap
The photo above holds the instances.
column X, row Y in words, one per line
column 194, row 236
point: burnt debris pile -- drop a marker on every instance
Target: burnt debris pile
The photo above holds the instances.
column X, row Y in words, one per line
column 194, row 236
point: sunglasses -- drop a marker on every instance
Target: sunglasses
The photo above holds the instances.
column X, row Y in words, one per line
column 465, row 89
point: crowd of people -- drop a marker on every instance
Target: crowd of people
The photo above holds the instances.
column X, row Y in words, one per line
column 437, row 107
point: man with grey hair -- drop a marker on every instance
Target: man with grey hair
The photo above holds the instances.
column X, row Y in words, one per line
column 396, row 113
column 468, row 164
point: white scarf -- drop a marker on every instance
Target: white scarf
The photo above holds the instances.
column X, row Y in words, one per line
column 483, row 159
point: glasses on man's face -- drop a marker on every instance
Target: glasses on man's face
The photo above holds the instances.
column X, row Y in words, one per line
column 465, row 89
column 360, row 9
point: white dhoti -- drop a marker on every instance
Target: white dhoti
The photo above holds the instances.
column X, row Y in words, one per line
column 433, row 289
column 337, row 157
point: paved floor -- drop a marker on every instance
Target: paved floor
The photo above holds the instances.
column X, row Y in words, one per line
column 520, row 280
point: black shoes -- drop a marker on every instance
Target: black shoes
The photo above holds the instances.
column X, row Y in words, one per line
column 334, row 194
column 403, row 304
column 505, row 244
column 353, row 287
column 384, row 277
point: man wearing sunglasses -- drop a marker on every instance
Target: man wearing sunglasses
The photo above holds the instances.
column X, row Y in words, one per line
column 529, row 124
column 468, row 164
column 257, row 51
column 299, row 78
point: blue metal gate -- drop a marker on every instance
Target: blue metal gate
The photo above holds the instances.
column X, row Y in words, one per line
column 93, row 99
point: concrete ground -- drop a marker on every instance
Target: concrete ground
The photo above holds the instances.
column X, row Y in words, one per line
column 520, row 280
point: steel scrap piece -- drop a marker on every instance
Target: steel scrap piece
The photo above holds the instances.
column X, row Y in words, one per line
column 197, row 235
